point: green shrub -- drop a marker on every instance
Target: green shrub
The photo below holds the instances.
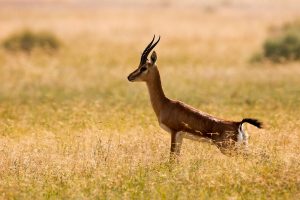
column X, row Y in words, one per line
column 282, row 45
column 27, row 41
column 283, row 48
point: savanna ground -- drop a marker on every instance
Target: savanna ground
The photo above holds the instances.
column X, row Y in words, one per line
column 73, row 127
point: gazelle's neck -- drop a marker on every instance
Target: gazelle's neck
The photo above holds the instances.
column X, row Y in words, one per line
column 157, row 96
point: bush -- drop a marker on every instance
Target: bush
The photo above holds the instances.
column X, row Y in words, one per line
column 27, row 41
column 283, row 45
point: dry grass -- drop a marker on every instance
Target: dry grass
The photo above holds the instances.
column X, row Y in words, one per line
column 73, row 127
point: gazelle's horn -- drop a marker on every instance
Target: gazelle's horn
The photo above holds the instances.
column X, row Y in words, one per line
column 148, row 50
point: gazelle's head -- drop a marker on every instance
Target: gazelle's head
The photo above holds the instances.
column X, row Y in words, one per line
column 146, row 67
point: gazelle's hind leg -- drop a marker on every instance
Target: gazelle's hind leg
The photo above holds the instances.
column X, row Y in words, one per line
column 227, row 147
column 232, row 142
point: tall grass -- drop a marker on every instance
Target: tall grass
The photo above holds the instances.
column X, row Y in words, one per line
column 73, row 127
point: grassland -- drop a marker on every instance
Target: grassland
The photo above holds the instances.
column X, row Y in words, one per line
column 73, row 127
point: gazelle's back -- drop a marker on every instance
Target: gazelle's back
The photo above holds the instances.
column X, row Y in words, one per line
column 179, row 116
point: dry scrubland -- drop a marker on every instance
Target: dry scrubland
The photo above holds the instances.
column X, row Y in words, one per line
column 73, row 127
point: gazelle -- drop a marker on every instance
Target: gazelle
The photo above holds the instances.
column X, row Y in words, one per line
column 183, row 121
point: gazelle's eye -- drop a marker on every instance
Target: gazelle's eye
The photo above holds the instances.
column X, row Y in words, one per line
column 143, row 69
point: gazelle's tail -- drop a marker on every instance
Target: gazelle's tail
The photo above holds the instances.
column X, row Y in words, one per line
column 254, row 122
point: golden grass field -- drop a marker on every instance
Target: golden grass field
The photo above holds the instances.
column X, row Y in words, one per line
column 73, row 127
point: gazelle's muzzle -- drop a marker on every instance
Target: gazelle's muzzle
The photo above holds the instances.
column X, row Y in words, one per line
column 130, row 78
column 133, row 75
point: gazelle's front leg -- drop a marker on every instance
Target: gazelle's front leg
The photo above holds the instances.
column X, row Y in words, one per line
column 176, row 141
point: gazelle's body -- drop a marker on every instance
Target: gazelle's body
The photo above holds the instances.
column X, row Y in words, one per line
column 181, row 120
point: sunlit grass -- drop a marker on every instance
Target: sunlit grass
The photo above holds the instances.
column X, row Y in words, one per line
column 73, row 127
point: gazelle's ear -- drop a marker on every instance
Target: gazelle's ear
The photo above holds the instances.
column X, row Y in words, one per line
column 153, row 57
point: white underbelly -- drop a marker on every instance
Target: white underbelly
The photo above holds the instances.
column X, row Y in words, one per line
column 186, row 135
column 195, row 137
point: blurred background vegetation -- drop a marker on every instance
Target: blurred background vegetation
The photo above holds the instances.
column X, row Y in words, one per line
column 27, row 41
